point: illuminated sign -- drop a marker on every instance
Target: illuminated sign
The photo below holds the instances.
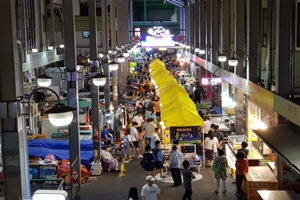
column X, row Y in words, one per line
column 157, row 41
column 211, row 81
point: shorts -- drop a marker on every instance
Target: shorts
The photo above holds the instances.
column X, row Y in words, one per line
column 158, row 165
column 158, row 114
column 139, row 129
column 136, row 144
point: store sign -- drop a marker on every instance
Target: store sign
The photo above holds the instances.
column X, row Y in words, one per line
column 211, row 81
column 261, row 97
column 185, row 133
column 287, row 109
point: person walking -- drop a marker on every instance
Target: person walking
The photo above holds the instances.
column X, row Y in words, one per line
column 133, row 194
column 242, row 166
column 210, row 147
column 220, row 168
column 140, row 120
column 149, row 128
column 206, row 126
column 187, row 180
column 155, row 137
column 127, row 145
column 219, row 135
column 150, row 191
column 176, row 160
column 158, row 159
column 135, row 139
column 147, row 162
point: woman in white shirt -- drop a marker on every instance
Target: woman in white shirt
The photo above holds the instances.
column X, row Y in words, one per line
column 210, row 148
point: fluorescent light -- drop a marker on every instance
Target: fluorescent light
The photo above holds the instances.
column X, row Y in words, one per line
column 50, row 48
column 61, row 46
column 34, row 50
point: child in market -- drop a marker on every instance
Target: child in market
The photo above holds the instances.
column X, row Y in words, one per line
column 187, row 180
column 127, row 145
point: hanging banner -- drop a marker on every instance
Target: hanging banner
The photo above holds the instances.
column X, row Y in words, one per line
column 185, row 133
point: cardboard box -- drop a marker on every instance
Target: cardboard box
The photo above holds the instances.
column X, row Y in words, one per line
column 96, row 169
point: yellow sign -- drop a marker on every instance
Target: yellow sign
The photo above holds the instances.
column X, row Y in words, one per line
column 287, row 109
column 262, row 98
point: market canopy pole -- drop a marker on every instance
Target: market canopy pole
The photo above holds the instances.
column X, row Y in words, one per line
column 14, row 149
column 72, row 93
column 94, row 88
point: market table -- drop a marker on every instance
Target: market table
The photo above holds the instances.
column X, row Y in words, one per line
column 277, row 194
column 259, row 178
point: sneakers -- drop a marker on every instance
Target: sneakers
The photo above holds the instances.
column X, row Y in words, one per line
column 238, row 194
column 140, row 156
column 117, row 169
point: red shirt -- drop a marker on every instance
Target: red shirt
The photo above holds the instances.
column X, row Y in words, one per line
column 242, row 166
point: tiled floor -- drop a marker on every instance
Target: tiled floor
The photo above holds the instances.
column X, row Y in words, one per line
column 109, row 186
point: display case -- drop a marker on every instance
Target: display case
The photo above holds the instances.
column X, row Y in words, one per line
column 225, row 122
column 234, row 144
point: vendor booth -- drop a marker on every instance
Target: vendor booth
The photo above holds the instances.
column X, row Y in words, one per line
column 178, row 113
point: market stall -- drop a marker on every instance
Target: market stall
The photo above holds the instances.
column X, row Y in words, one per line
column 234, row 143
column 178, row 111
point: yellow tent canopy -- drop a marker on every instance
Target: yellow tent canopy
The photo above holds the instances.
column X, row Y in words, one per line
column 177, row 108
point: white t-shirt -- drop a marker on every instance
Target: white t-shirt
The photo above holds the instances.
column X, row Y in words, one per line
column 206, row 126
column 211, row 144
column 150, row 193
column 138, row 119
column 133, row 131
column 154, row 137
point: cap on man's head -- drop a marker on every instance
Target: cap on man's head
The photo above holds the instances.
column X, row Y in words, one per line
column 150, row 178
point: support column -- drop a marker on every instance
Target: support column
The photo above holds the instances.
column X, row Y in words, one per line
column 239, row 36
column 187, row 24
column 208, row 30
column 40, row 22
column 14, row 146
column 113, row 46
column 214, row 11
column 52, row 14
column 202, row 25
column 225, row 29
column 192, row 27
column 72, row 91
column 197, row 25
column 145, row 10
column 23, row 28
column 184, row 25
column 253, row 30
column 94, row 88
column 285, row 71
column 105, row 51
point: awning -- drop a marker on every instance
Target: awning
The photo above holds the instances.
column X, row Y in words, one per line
column 285, row 140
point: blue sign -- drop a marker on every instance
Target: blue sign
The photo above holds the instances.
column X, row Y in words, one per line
column 185, row 133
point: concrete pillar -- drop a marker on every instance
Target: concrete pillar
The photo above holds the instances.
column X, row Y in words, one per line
column 253, row 28
column 225, row 27
column 113, row 46
column 105, row 50
column 13, row 133
column 72, row 91
column 192, row 27
column 214, row 40
column 208, row 30
column 202, row 25
column 94, row 88
column 239, row 36
column 23, row 28
column 52, row 15
column 196, row 22
column 187, row 24
column 283, row 49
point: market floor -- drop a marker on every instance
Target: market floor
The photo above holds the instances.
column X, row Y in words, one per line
column 109, row 186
